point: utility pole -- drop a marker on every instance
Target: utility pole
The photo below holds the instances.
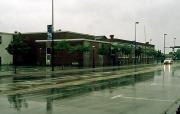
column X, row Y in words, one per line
column 93, row 64
column 135, row 44
column 174, row 44
column 145, row 56
column 52, row 42
column 164, row 45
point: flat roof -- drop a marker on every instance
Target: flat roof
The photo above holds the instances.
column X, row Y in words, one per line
column 6, row 33
column 57, row 32
column 80, row 39
column 116, row 40
column 109, row 40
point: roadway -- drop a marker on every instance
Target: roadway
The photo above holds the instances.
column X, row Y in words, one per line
column 156, row 91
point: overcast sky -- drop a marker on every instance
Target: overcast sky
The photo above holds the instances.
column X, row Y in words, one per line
column 96, row 17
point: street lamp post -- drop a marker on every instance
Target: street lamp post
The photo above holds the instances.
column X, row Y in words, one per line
column 145, row 53
column 93, row 65
column 135, row 44
column 164, row 44
column 52, row 42
column 174, row 44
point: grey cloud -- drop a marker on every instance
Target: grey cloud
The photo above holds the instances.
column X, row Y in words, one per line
column 96, row 17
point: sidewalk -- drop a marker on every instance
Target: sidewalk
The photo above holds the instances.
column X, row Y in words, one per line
column 38, row 71
column 75, row 80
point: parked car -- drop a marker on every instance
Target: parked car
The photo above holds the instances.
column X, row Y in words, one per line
column 168, row 61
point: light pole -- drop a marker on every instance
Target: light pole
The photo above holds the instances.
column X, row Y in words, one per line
column 174, row 44
column 135, row 44
column 93, row 65
column 145, row 53
column 164, row 44
column 52, row 42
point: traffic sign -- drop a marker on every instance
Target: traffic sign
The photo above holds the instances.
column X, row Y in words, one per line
column 49, row 32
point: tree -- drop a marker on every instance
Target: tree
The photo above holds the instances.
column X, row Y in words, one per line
column 79, row 49
column 103, row 50
column 159, row 55
column 177, row 54
column 151, row 52
column 171, row 55
column 70, row 49
column 115, row 49
column 138, row 52
column 18, row 45
column 61, row 46
column 126, row 49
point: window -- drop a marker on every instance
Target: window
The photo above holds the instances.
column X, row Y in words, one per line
column 0, row 39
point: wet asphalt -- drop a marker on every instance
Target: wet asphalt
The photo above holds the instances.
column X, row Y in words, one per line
column 156, row 92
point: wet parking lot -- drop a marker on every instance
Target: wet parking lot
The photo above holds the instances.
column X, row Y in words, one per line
column 154, row 92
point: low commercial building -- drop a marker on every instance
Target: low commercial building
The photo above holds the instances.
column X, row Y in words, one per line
column 142, row 52
column 5, row 40
column 87, row 58
column 100, row 50
column 41, row 49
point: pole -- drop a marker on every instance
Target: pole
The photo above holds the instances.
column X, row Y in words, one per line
column 174, row 44
column 164, row 45
column 93, row 57
column 135, row 44
column 145, row 53
column 145, row 57
column 52, row 42
column 135, row 47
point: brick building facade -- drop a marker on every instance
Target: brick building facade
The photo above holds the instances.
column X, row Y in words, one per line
column 39, row 54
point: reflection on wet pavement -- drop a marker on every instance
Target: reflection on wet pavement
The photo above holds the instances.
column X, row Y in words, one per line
column 148, row 93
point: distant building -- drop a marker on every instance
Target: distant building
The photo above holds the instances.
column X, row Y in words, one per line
column 124, row 59
column 5, row 57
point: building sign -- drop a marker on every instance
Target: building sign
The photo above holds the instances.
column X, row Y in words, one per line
column 49, row 32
